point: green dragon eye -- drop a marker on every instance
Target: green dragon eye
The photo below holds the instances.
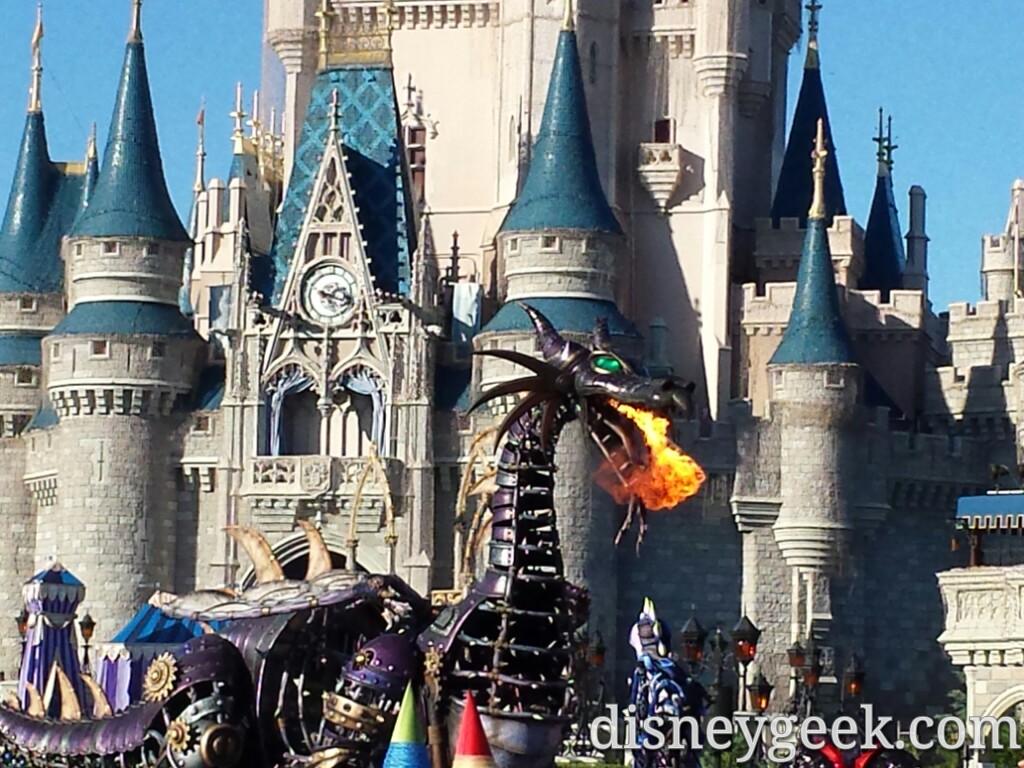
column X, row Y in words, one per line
column 608, row 364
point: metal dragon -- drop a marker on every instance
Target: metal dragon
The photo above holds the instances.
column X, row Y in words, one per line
column 312, row 672
column 509, row 642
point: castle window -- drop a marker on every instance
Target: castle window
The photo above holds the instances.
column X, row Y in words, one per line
column 151, row 249
column 20, row 421
column 593, row 63
column 548, row 243
column 79, row 249
column 416, row 147
column 202, row 424
column 26, row 377
column 55, row 352
column 158, row 350
column 778, row 379
column 664, row 130
column 111, row 248
column 27, row 304
column 99, row 348
column 513, row 245
column 834, row 379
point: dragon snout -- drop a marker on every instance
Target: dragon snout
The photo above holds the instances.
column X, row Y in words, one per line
column 674, row 394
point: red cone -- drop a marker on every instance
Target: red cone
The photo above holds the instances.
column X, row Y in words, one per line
column 472, row 749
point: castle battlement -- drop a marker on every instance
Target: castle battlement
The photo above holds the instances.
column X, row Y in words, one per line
column 777, row 250
column 864, row 311
column 959, row 392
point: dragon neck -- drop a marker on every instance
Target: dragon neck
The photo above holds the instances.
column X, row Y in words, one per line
column 524, row 542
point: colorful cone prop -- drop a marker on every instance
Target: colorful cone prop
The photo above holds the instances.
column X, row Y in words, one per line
column 472, row 749
column 408, row 748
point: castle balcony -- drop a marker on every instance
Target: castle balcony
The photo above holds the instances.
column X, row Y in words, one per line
column 277, row 486
column 661, row 169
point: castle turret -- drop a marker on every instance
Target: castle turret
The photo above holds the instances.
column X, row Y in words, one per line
column 815, row 383
column 559, row 245
column 118, row 365
column 884, row 257
column 44, row 198
column 794, row 191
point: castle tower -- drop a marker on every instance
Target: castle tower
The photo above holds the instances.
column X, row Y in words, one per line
column 117, row 367
column 815, row 386
column 884, row 257
column 346, row 364
column 45, row 197
column 559, row 245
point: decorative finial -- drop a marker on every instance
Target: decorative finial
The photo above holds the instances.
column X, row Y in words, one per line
column 255, row 125
column 200, row 182
column 334, row 112
column 135, row 35
column 889, row 146
column 819, row 154
column 324, row 32
column 389, row 19
column 35, row 103
column 880, row 141
column 239, row 113
column 569, row 21
column 812, row 33
column 90, row 147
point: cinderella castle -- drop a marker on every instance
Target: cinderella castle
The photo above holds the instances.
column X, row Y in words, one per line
column 298, row 345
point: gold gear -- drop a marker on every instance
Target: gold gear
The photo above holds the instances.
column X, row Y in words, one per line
column 160, row 678
column 178, row 736
column 432, row 662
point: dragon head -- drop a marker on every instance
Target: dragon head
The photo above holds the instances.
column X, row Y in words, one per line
column 626, row 413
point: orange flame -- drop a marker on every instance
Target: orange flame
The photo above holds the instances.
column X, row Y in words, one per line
column 671, row 477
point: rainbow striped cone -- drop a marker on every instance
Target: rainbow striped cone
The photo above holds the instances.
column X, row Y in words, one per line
column 408, row 748
column 472, row 749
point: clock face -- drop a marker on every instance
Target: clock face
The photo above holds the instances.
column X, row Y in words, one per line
column 329, row 294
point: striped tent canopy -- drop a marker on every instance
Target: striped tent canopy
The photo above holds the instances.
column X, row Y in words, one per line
column 123, row 661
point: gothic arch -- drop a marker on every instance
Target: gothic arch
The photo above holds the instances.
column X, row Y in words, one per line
column 291, row 361
column 1002, row 703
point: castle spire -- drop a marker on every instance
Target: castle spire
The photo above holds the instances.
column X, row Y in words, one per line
column 884, row 253
column 35, row 103
column 562, row 188
column 92, row 169
column 131, row 197
column 815, row 333
column 569, row 22
column 793, row 191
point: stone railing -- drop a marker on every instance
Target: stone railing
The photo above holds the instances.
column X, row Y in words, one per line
column 661, row 168
column 984, row 616
column 306, row 477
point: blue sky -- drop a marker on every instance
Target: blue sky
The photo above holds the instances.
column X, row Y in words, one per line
column 948, row 79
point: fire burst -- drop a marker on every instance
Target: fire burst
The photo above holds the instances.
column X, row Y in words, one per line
column 670, row 478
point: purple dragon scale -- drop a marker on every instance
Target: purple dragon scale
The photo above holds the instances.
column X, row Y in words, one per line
column 310, row 673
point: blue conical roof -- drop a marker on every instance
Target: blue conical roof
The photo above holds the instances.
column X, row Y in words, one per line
column 884, row 255
column 24, row 265
column 131, row 198
column 795, row 188
column 815, row 333
column 562, row 188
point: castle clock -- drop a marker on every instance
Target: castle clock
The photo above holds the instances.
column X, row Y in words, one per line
column 329, row 295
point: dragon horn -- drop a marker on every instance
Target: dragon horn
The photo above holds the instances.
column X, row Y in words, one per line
column 70, row 706
column 600, row 338
column 551, row 344
column 35, row 706
column 319, row 556
column 648, row 609
column 259, row 551
column 100, row 702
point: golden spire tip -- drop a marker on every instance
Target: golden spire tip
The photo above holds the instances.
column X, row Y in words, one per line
column 569, row 22
column 135, row 35
column 819, row 154
column 35, row 93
